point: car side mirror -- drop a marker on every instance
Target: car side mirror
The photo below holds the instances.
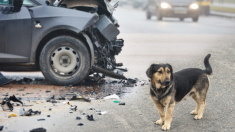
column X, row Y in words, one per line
column 17, row 5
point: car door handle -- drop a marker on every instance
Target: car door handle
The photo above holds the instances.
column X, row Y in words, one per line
column 38, row 25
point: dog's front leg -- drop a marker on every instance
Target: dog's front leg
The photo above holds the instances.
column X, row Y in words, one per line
column 160, row 109
column 168, row 116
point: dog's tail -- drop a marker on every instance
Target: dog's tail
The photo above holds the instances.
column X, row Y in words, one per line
column 208, row 69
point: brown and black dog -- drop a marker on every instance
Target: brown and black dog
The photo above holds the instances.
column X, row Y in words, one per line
column 168, row 88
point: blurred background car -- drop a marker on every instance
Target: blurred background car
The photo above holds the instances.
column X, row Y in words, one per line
column 173, row 8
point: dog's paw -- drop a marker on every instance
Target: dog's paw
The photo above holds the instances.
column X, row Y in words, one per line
column 194, row 112
column 160, row 122
column 197, row 117
column 166, row 127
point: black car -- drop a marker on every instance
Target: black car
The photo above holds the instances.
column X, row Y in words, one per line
column 67, row 40
column 173, row 8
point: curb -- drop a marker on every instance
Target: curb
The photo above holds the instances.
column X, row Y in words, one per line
column 222, row 15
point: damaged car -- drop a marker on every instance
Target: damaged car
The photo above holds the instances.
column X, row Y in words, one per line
column 67, row 40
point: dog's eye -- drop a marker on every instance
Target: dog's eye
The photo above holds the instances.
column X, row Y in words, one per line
column 160, row 72
column 168, row 71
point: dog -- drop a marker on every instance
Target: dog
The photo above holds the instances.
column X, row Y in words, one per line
column 168, row 88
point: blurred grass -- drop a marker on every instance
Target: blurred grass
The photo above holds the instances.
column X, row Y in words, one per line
column 225, row 1
column 222, row 9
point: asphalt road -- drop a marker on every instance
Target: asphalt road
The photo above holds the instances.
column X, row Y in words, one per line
column 181, row 44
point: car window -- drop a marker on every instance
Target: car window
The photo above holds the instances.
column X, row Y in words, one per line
column 28, row 3
column 10, row 2
column 6, row 2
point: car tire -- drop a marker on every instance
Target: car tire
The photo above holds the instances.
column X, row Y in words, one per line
column 181, row 19
column 148, row 15
column 65, row 61
column 195, row 19
column 159, row 16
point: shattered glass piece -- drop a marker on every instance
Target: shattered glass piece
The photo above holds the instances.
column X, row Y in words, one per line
column 22, row 111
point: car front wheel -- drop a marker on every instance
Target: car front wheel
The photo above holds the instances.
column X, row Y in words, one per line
column 65, row 60
column 195, row 19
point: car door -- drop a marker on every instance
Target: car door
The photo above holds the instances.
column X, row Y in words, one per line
column 15, row 33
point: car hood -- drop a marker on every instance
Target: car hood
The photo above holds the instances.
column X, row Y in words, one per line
column 179, row 2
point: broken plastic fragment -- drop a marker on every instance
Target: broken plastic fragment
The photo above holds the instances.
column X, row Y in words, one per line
column 80, row 124
column 122, row 103
column 114, row 96
column 116, row 101
column 38, row 130
column 1, row 128
column 41, row 119
column 90, row 118
column 80, row 98
column 30, row 112
column 78, row 118
column 101, row 113
column 12, row 115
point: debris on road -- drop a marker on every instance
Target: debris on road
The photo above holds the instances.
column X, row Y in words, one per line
column 38, row 130
column 79, row 98
column 41, row 119
column 6, row 103
column 90, row 118
column 48, row 116
column 1, row 128
column 101, row 112
column 12, row 115
column 75, row 108
column 78, row 118
column 116, row 101
column 114, row 96
column 80, row 124
column 122, row 103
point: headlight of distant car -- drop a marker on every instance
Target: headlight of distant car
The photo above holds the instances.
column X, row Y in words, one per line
column 194, row 6
column 165, row 5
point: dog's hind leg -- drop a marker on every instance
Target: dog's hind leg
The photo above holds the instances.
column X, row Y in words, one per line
column 195, row 112
column 200, row 96
column 202, row 106
column 161, row 112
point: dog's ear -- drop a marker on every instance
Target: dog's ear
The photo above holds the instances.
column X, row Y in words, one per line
column 149, row 72
column 171, row 70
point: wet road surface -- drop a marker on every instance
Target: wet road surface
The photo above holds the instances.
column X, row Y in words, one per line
column 182, row 44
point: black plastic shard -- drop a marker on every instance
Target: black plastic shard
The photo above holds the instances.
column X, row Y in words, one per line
column 14, row 99
column 30, row 112
column 6, row 103
column 1, row 127
column 90, row 118
column 80, row 124
column 41, row 119
column 78, row 118
column 38, row 130
column 122, row 103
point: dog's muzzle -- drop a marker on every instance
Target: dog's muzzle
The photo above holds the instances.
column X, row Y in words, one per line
column 165, row 83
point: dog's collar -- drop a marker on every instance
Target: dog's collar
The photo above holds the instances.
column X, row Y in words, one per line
column 167, row 92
